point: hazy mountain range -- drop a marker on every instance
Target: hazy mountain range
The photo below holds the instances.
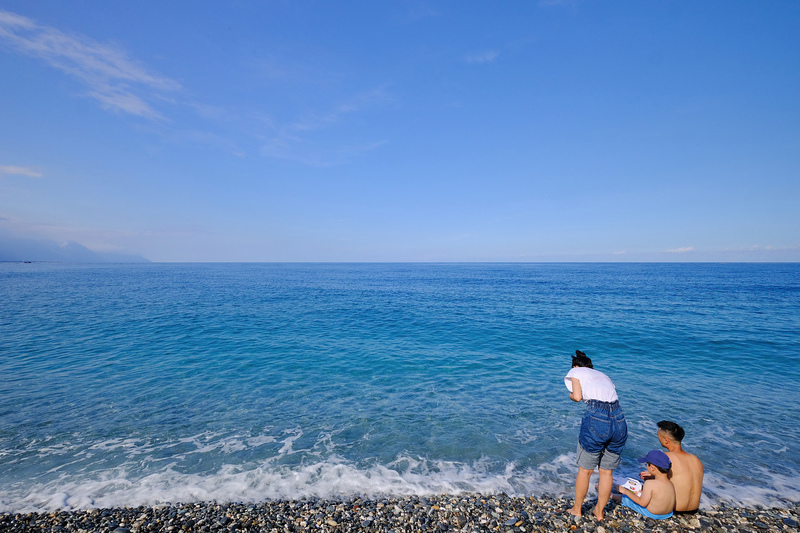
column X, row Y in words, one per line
column 21, row 249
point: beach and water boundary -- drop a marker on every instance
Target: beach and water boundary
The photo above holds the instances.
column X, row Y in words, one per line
column 164, row 383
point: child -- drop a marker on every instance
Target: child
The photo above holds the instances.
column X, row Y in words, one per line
column 658, row 495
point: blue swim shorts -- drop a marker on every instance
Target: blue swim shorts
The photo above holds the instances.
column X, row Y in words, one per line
column 630, row 504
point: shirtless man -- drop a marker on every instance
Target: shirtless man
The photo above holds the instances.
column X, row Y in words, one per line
column 687, row 470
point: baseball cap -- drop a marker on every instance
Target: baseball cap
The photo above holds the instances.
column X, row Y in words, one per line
column 658, row 458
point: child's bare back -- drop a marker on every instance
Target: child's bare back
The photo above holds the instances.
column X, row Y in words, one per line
column 660, row 495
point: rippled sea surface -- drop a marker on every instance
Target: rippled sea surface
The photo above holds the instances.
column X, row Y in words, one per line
column 140, row 384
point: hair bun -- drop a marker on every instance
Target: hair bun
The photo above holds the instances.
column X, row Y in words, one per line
column 580, row 353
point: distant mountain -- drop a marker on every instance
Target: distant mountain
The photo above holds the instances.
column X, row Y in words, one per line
column 18, row 249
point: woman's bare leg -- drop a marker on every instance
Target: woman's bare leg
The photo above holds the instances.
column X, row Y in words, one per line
column 604, row 486
column 581, row 488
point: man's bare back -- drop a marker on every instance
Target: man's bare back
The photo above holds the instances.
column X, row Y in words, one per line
column 687, row 477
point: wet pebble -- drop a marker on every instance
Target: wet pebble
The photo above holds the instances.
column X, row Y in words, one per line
column 473, row 513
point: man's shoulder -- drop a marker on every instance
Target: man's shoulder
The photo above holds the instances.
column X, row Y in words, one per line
column 696, row 460
column 680, row 453
column 688, row 455
column 683, row 457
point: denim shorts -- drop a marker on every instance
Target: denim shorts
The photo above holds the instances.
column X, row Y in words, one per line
column 603, row 432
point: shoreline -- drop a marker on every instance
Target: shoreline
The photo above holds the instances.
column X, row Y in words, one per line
column 466, row 512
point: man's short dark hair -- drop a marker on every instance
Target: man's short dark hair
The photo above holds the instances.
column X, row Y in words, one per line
column 672, row 429
column 580, row 359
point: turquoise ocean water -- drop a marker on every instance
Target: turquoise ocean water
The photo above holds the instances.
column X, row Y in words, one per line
column 140, row 384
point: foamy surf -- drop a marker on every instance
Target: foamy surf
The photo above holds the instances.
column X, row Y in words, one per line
column 336, row 478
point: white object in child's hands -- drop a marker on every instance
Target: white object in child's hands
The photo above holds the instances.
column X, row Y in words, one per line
column 633, row 485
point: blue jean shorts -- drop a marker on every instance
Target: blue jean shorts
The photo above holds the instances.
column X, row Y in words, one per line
column 602, row 436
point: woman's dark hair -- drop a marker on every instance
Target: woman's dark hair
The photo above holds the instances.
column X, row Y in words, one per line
column 580, row 359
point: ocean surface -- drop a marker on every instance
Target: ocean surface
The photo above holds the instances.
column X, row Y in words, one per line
column 127, row 385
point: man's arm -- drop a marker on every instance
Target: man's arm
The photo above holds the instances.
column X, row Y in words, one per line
column 576, row 395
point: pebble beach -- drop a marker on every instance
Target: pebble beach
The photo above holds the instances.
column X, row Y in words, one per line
column 467, row 513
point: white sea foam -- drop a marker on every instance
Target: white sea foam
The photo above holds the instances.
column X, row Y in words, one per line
column 317, row 471
column 317, row 474
column 331, row 476
column 777, row 490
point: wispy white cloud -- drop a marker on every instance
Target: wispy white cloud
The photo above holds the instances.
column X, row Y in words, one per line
column 294, row 141
column 482, row 57
column 417, row 12
column 548, row 3
column 683, row 250
column 20, row 171
column 116, row 81
column 121, row 84
column 761, row 248
column 316, row 121
column 300, row 150
column 208, row 139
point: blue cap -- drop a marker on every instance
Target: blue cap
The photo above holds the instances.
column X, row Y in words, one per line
column 658, row 458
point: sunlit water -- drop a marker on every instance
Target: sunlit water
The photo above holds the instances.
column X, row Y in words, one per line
column 141, row 384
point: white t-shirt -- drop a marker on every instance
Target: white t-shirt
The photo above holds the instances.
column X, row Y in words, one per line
column 594, row 384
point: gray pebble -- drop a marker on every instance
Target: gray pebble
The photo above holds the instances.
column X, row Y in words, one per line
column 471, row 513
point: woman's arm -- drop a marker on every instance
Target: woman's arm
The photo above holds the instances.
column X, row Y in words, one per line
column 576, row 395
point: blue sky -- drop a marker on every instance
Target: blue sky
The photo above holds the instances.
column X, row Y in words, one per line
column 403, row 131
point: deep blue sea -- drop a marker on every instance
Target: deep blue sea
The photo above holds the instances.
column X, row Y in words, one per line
column 127, row 385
